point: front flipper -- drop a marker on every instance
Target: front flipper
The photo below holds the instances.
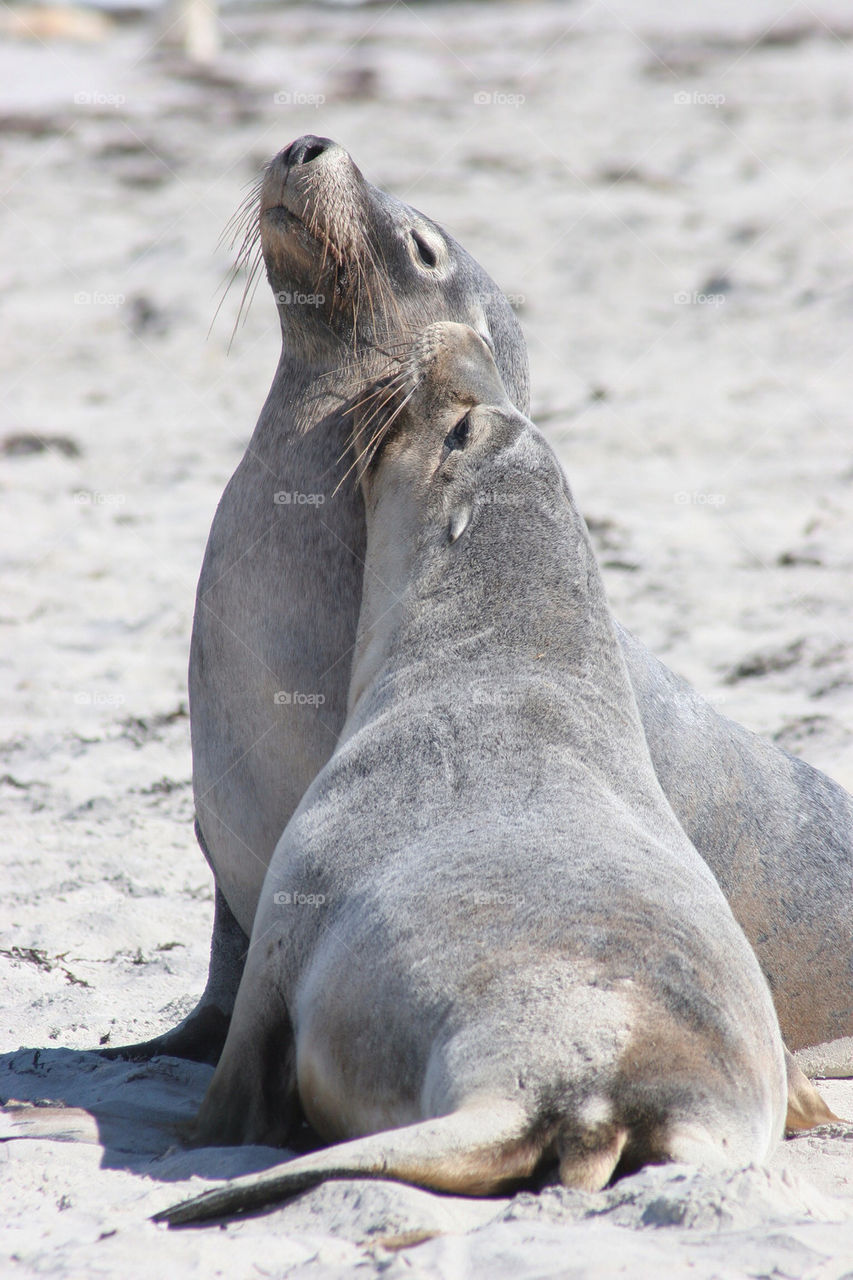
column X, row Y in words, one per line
column 806, row 1108
column 253, row 1096
column 201, row 1035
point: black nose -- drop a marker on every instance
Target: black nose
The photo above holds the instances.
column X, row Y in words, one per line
column 306, row 149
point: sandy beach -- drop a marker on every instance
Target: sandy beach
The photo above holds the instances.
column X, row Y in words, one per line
column 666, row 197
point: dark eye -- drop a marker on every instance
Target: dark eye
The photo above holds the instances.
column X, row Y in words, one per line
column 425, row 253
column 458, row 437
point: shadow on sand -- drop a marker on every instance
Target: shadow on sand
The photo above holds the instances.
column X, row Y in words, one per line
column 134, row 1111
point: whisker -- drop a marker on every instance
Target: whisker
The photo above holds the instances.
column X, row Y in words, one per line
column 252, row 279
column 363, row 280
column 244, row 221
column 396, row 385
column 381, row 432
column 380, row 276
column 379, row 383
column 241, row 214
column 356, row 435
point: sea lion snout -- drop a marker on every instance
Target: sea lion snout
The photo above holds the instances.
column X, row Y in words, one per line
column 311, row 179
column 312, row 219
column 305, row 150
column 304, row 163
column 453, row 363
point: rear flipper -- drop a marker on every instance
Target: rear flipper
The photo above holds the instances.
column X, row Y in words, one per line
column 834, row 1059
column 475, row 1151
column 806, row 1108
column 488, row 1147
column 201, row 1035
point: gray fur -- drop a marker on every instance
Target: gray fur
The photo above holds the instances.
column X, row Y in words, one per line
column 778, row 836
column 483, row 927
column 278, row 601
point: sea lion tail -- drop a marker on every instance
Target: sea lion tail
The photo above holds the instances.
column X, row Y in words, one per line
column 589, row 1166
column 806, row 1108
column 474, row 1151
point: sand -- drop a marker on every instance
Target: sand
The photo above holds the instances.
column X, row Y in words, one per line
column 666, row 196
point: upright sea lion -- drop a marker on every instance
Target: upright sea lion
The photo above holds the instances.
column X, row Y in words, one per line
column 354, row 272
column 484, row 928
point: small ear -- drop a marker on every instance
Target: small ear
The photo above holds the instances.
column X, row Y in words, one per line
column 806, row 1108
column 459, row 522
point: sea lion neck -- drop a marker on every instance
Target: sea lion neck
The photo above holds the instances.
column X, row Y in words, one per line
column 493, row 600
column 313, row 399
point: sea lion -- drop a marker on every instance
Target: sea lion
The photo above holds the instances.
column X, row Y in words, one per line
column 778, row 835
column 354, row 272
column 484, row 928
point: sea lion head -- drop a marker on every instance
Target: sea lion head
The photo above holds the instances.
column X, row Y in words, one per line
column 441, row 437
column 354, row 269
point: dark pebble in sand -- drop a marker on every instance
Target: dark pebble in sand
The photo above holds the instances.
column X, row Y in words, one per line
column 26, row 443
